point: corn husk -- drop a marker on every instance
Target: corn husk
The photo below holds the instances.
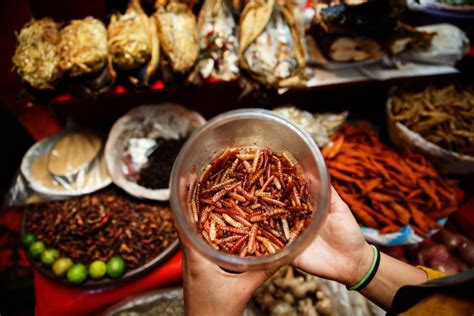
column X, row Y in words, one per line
column 177, row 32
column 133, row 43
column 36, row 57
column 272, row 43
column 83, row 47
column 218, row 58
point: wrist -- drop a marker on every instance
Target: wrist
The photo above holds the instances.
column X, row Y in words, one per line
column 361, row 265
column 198, row 306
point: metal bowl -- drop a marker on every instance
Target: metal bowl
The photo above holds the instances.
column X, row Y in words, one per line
column 46, row 145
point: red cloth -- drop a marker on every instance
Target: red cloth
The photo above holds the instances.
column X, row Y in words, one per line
column 53, row 298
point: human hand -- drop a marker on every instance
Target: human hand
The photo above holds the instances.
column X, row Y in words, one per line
column 209, row 290
column 339, row 252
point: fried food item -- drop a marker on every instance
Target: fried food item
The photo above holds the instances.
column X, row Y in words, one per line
column 83, row 47
column 443, row 116
column 36, row 57
column 177, row 31
column 133, row 42
column 385, row 189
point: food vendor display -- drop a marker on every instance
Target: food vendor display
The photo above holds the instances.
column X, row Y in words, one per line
column 436, row 121
column 265, row 47
column 250, row 188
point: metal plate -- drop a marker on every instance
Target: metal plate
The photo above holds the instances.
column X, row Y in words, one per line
column 38, row 149
column 106, row 281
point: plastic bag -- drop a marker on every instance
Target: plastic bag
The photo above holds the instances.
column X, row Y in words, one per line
column 66, row 164
column 272, row 43
column 447, row 46
column 405, row 236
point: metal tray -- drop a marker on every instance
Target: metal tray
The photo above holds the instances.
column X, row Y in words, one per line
column 106, row 281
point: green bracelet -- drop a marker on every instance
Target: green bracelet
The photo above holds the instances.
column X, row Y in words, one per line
column 370, row 274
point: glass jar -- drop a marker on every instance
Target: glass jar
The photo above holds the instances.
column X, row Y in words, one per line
column 247, row 128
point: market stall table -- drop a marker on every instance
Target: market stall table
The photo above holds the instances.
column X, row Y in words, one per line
column 53, row 298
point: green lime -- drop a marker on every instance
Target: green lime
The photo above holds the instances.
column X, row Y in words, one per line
column 77, row 273
column 28, row 239
column 61, row 265
column 97, row 269
column 36, row 249
column 115, row 267
column 49, row 255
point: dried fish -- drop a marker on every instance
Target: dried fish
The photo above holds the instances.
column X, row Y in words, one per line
column 271, row 43
column 177, row 31
column 443, row 116
column 133, row 43
column 36, row 57
column 218, row 58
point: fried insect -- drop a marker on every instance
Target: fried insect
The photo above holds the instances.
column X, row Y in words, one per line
column 254, row 194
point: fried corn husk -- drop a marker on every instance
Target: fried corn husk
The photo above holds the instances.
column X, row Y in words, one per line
column 218, row 57
column 272, row 43
column 36, row 58
column 177, row 32
column 83, row 47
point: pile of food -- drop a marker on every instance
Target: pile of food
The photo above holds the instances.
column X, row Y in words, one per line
column 251, row 202
column 292, row 292
column 154, row 172
column 443, row 116
column 384, row 189
column 364, row 31
column 94, row 229
column 46, row 53
column 319, row 125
